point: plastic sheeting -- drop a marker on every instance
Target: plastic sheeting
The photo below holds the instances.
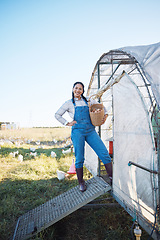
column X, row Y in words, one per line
column 91, row 160
column 149, row 58
column 133, row 141
column 130, row 105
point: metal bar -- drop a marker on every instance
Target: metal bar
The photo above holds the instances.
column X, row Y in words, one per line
column 144, row 168
column 98, row 71
column 102, row 63
column 100, row 205
column 119, row 60
column 112, row 120
column 107, row 101
column 102, row 199
column 113, row 72
column 158, row 158
column 16, row 229
column 124, row 59
column 141, row 86
column 108, row 129
column 144, row 81
column 99, row 128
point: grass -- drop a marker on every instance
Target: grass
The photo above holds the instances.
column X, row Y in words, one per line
column 30, row 183
column 42, row 134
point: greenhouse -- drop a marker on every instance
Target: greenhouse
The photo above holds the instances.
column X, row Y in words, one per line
column 127, row 82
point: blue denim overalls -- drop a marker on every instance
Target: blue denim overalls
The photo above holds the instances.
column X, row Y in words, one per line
column 83, row 131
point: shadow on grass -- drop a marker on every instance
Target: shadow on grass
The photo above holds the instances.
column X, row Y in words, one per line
column 19, row 196
column 95, row 224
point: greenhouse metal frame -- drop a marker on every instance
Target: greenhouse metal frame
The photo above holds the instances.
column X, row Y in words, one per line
column 136, row 64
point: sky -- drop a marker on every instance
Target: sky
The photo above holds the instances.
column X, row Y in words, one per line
column 47, row 45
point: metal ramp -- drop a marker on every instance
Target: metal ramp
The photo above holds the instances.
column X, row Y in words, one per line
column 57, row 208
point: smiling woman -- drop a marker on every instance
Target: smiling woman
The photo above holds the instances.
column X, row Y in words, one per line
column 83, row 131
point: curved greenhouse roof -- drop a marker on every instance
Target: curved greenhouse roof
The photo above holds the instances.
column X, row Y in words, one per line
column 140, row 62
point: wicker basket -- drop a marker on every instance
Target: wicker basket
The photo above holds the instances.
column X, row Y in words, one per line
column 96, row 112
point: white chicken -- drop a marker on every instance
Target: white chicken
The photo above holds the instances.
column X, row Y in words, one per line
column 32, row 149
column 13, row 154
column 34, row 154
column 66, row 151
column 53, row 154
column 20, row 157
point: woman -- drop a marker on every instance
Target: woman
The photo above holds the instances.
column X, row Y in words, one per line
column 83, row 130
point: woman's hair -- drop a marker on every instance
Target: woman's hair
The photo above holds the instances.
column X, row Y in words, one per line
column 82, row 93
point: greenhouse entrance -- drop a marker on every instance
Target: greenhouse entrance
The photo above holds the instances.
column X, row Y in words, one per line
column 127, row 82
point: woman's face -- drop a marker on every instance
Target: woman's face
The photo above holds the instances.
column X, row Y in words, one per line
column 78, row 90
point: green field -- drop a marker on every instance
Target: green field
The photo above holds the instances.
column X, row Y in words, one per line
column 27, row 184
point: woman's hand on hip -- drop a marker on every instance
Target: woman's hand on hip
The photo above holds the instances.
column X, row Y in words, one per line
column 71, row 123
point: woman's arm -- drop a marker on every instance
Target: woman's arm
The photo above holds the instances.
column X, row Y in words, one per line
column 61, row 111
column 66, row 107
